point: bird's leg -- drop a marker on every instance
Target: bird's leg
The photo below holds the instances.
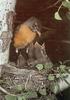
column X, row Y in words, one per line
column 30, row 52
column 16, row 50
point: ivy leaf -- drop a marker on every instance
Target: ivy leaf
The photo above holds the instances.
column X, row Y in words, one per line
column 39, row 66
column 51, row 77
column 9, row 97
column 62, row 68
column 57, row 16
column 57, row 75
column 19, row 88
column 21, row 98
column 52, row 97
column 48, row 65
column 66, row 4
column 29, row 94
column 42, row 91
column 55, row 87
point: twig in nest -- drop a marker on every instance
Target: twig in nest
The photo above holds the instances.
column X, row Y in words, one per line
column 29, row 77
column 6, row 92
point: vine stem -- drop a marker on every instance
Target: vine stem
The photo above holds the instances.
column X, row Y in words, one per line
column 59, row 7
column 54, row 4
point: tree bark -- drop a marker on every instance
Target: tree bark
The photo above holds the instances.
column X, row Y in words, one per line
column 7, row 10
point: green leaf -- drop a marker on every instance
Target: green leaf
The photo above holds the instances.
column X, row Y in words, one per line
column 19, row 88
column 57, row 16
column 9, row 97
column 30, row 94
column 48, row 65
column 62, row 68
column 39, row 66
column 42, row 91
column 21, row 98
column 54, row 87
column 66, row 4
column 51, row 77
column 57, row 75
column 51, row 97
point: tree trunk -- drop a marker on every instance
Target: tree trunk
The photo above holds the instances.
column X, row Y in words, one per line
column 7, row 9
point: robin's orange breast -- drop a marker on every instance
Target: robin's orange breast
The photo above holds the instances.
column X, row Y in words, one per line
column 23, row 36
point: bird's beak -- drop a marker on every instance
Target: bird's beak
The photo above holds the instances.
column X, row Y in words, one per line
column 39, row 33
